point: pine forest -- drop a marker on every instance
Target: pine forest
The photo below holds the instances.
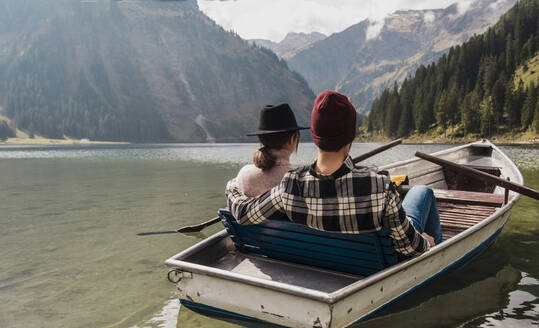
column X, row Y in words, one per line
column 477, row 88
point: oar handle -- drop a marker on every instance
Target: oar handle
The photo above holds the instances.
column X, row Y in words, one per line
column 377, row 151
column 480, row 175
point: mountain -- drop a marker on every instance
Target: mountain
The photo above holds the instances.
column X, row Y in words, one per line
column 135, row 71
column 364, row 59
column 291, row 44
column 487, row 86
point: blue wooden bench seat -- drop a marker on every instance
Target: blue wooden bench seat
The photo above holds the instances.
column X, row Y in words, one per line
column 360, row 254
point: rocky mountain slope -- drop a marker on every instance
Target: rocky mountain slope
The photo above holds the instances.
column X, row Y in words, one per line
column 135, row 71
column 291, row 44
column 364, row 59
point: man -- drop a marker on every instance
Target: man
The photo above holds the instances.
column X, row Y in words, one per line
column 334, row 195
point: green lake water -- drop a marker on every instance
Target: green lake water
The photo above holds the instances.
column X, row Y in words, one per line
column 70, row 257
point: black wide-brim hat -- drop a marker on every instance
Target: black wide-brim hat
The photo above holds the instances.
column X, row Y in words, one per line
column 274, row 119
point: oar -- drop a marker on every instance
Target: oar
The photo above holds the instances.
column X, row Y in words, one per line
column 481, row 175
column 199, row 227
column 377, row 150
column 191, row 228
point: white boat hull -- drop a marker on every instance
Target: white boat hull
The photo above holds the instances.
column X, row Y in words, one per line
column 289, row 310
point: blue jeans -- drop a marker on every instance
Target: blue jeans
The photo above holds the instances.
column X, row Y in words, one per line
column 420, row 206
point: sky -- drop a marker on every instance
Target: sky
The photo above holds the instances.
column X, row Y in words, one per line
column 273, row 19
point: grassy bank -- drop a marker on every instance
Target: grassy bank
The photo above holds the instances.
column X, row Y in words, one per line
column 23, row 138
column 438, row 138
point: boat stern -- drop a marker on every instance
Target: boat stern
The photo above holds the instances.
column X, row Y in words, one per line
column 212, row 279
column 225, row 298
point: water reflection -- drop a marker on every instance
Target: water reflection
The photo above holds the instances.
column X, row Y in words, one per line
column 449, row 309
column 167, row 318
column 522, row 311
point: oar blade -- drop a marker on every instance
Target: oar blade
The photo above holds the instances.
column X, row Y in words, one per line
column 199, row 227
column 190, row 229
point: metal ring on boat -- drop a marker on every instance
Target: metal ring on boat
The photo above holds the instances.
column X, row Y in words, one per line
column 176, row 278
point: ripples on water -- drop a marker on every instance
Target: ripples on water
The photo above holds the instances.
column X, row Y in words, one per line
column 526, row 157
column 69, row 215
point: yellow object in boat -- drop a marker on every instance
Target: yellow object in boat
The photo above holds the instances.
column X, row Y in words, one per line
column 399, row 179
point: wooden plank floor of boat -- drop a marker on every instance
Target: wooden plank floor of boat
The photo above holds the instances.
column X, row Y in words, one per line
column 460, row 210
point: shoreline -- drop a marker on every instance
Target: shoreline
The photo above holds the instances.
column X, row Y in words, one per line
column 38, row 141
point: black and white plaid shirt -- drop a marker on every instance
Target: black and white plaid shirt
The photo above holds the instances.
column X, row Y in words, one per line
column 351, row 200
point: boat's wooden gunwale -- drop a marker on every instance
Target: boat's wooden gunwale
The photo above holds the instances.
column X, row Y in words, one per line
column 331, row 298
column 413, row 160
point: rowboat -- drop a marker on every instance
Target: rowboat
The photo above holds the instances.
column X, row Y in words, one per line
column 283, row 274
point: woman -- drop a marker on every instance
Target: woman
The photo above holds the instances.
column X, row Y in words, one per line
column 278, row 132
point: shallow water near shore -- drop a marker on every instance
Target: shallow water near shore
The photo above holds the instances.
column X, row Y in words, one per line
column 70, row 257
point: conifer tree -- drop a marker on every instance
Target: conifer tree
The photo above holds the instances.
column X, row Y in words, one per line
column 442, row 111
column 453, row 105
column 393, row 113
column 487, row 116
column 470, row 112
column 6, row 131
column 498, row 99
column 406, row 121
column 535, row 123
column 529, row 106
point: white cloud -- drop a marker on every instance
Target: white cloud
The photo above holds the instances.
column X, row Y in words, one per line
column 463, row 6
column 273, row 19
column 497, row 4
column 429, row 17
column 374, row 29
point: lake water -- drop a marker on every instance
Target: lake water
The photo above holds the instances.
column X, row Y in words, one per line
column 70, row 257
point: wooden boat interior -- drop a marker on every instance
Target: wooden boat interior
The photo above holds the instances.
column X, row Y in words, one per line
column 329, row 266
column 462, row 201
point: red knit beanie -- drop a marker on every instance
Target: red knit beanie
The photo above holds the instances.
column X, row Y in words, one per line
column 333, row 121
